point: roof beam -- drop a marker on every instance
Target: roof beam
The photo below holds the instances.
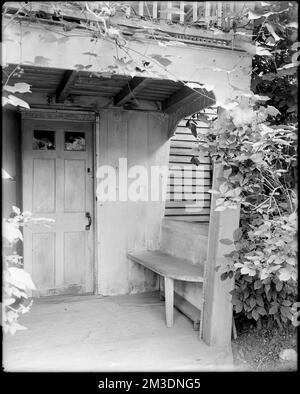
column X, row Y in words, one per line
column 185, row 102
column 180, row 98
column 130, row 90
column 65, row 86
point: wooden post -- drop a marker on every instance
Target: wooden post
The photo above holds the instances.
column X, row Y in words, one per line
column 219, row 13
column 154, row 9
column 169, row 301
column 195, row 11
column 141, row 8
column 207, row 15
column 217, row 311
column 169, row 14
column 181, row 16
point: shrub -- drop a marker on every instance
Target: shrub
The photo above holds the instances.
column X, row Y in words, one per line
column 17, row 283
column 260, row 159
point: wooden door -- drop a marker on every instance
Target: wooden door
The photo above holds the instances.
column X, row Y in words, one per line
column 58, row 184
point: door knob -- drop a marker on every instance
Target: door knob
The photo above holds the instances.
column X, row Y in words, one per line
column 88, row 215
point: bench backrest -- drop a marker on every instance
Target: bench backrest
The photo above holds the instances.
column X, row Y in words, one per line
column 186, row 240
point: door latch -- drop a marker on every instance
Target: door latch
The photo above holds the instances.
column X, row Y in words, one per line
column 88, row 215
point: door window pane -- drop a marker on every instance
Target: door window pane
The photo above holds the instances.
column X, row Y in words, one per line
column 43, row 140
column 74, row 141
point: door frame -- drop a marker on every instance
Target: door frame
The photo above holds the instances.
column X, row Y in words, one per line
column 77, row 116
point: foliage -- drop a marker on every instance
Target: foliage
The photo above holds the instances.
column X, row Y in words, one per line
column 264, row 262
column 276, row 75
column 17, row 283
column 255, row 138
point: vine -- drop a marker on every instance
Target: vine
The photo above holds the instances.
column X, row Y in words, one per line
column 18, row 286
column 255, row 139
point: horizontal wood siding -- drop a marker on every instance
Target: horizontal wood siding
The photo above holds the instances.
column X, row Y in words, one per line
column 194, row 181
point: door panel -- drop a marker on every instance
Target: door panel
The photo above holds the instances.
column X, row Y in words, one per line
column 58, row 184
column 43, row 185
column 75, row 171
column 43, row 259
column 75, row 253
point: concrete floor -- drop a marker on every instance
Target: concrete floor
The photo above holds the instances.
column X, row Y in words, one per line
column 120, row 333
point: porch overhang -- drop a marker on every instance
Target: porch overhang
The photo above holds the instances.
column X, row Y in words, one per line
column 83, row 90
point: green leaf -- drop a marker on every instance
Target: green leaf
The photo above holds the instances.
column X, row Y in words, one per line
column 15, row 101
column 257, row 157
column 248, row 271
column 261, row 311
column 257, row 284
column 224, row 276
column 21, row 278
column 11, row 232
column 223, row 188
column 259, row 300
column 16, row 210
column 20, row 87
column 261, row 51
column 272, row 31
column 286, row 303
column 272, row 111
column 284, row 274
column 237, row 234
column 253, row 15
column 255, row 314
column 238, row 307
column 252, row 302
column 230, row 274
column 285, row 311
column 226, row 241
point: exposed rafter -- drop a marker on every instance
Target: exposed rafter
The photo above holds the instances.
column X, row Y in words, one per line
column 130, row 90
column 180, row 98
column 65, row 86
column 186, row 102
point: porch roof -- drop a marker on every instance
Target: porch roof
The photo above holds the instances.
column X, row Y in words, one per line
column 120, row 90
column 80, row 89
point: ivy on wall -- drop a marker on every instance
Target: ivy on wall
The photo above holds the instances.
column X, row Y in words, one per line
column 255, row 138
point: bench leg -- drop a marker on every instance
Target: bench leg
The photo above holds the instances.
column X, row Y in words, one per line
column 169, row 301
column 161, row 295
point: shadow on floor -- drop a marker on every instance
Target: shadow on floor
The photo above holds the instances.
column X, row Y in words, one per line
column 120, row 333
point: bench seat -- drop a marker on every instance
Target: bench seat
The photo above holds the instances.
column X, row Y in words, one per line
column 168, row 266
column 171, row 268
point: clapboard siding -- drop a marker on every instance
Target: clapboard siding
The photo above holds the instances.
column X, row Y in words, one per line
column 188, row 185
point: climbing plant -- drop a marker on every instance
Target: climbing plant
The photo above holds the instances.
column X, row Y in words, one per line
column 255, row 138
column 18, row 286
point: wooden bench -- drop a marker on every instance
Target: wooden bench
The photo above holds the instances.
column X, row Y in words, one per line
column 171, row 268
